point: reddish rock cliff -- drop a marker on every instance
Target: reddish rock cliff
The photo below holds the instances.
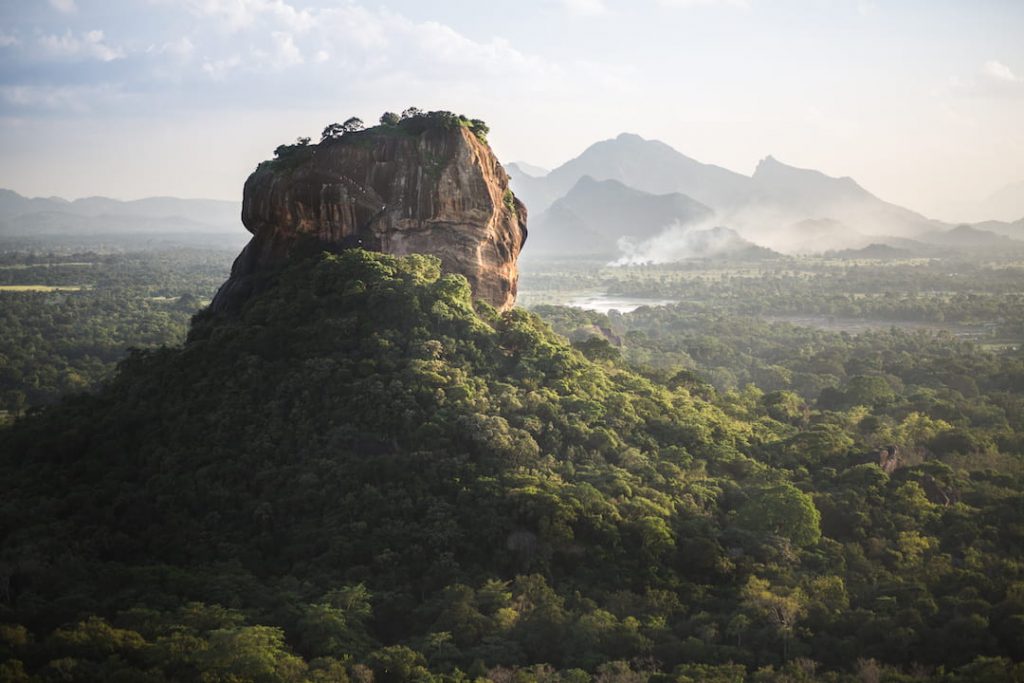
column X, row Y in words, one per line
column 437, row 191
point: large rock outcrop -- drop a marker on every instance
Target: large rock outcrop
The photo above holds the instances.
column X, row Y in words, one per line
column 431, row 189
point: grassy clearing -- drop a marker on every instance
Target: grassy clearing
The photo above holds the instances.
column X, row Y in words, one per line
column 41, row 288
column 26, row 266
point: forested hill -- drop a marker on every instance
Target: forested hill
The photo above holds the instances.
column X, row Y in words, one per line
column 363, row 476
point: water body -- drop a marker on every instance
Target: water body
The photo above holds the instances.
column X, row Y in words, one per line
column 602, row 303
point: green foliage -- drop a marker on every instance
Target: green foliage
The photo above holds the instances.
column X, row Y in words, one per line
column 597, row 349
column 509, row 200
column 413, row 121
column 333, row 131
column 58, row 343
column 479, row 129
column 364, row 476
column 783, row 511
column 353, row 124
column 289, row 157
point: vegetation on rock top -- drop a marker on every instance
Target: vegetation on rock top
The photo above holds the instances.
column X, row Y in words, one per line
column 412, row 121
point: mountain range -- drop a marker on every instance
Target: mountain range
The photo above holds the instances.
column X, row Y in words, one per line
column 33, row 216
column 1004, row 205
column 646, row 165
column 596, row 214
column 620, row 198
column 779, row 206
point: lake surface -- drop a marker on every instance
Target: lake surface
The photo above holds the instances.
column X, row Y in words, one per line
column 602, row 303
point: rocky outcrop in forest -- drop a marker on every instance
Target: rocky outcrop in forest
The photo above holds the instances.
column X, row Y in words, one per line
column 428, row 184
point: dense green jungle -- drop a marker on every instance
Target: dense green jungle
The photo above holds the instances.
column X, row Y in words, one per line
column 802, row 469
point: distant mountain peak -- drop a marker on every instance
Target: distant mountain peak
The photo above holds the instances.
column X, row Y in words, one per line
column 527, row 169
column 772, row 165
column 771, row 169
column 777, row 194
column 21, row 215
column 589, row 182
column 630, row 137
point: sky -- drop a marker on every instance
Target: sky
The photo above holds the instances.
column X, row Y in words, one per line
column 921, row 101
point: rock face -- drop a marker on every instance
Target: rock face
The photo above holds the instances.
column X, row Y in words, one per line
column 437, row 191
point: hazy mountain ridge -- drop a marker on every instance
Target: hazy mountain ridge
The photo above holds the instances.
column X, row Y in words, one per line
column 1014, row 230
column 1005, row 205
column 811, row 194
column 779, row 206
column 968, row 236
column 647, row 165
column 1007, row 202
column 527, row 168
column 596, row 214
column 20, row 215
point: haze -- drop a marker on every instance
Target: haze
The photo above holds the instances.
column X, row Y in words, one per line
column 921, row 101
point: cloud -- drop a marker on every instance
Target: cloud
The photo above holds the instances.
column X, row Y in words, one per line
column 236, row 15
column 866, row 7
column 993, row 79
column 8, row 40
column 232, row 14
column 183, row 48
column 65, row 6
column 585, row 7
column 54, row 98
column 88, row 45
column 235, row 50
column 219, row 69
column 999, row 72
column 376, row 43
column 286, row 52
column 742, row 4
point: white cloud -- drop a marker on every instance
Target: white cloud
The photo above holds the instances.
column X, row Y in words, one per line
column 55, row 98
column 267, row 36
column 999, row 72
column 295, row 20
column 236, row 15
column 65, row 6
column 440, row 43
column 282, row 53
column 88, row 45
column 356, row 26
column 585, row 7
column 866, row 7
column 286, row 52
column 219, row 69
column 247, row 44
column 375, row 43
column 357, row 36
column 993, row 79
column 7, row 40
column 698, row 3
column 183, row 48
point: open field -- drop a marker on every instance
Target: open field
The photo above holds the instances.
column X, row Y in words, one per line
column 41, row 288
